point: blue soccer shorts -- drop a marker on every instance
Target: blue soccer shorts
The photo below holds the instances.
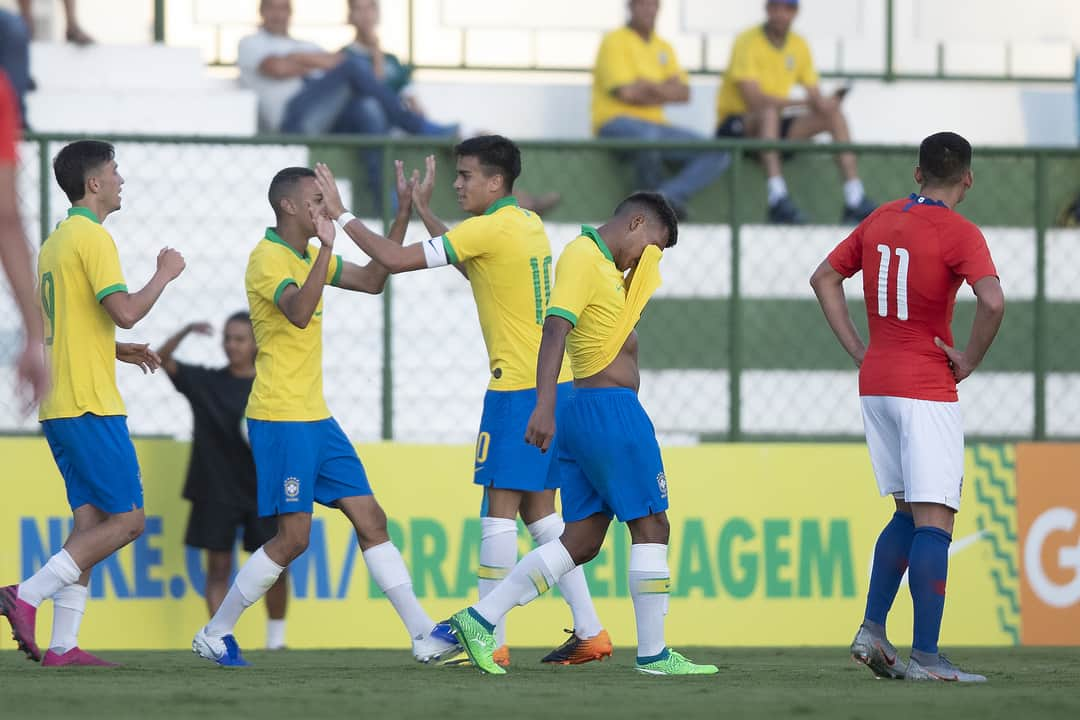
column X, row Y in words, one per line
column 503, row 459
column 97, row 461
column 298, row 464
column 607, row 459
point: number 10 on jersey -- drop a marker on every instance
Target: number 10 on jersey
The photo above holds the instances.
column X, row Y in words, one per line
column 901, row 282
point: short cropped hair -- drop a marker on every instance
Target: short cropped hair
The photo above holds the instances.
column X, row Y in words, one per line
column 497, row 156
column 239, row 316
column 284, row 183
column 654, row 204
column 943, row 158
column 77, row 160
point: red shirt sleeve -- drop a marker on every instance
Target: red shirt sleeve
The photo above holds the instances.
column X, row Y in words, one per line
column 846, row 258
column 967, row 254
column 9, row 121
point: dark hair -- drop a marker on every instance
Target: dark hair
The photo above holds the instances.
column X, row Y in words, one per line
column 77, row 160
column 496, row 154
column 284, row 183
column 656, row 205
column 239, row 316
column 943, row 158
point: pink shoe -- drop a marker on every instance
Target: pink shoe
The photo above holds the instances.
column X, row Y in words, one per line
column 74, row 657
column 22, row 616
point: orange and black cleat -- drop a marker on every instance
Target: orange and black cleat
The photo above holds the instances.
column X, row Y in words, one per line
column 576, row 651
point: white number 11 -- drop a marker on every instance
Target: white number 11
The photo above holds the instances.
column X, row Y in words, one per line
column 901, row 282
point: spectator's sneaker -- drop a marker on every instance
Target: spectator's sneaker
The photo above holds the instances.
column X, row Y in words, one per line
column 942, row 670
column 673, row 663
column 855, row 214
column 576, row 651
column 877, row 653
column 222, row 650
column 74, row 658
column 23, row 618
column 437, row 646
column 477, row 640
column 786, row 212
column 501, row 656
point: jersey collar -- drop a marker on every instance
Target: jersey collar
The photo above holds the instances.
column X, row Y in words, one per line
column 273, row 237
column 591, row 233
column 85, row 212
column 508, row 201
column 917, row 199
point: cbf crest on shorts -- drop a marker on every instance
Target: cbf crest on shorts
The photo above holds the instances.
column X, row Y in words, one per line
column 661, row 482
column 292, row 489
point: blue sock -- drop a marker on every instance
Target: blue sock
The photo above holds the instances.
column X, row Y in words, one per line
column 890, row 561
column 929, row 563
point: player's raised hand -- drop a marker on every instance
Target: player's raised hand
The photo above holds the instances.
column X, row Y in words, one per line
column 324, row 226
column 541, row 428
column 170, row 262
column 328, row 187
column 423, row 191
column 959, row 364
column 138, row 354
column 405, row 186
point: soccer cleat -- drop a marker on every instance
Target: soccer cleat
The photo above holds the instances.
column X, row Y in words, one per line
column 223, row 650
column 942, row 670
column 878, row 654
column 673, row 663
column 576, row 651
column 477, row 641
column 855, row 214
column 438, row 646
column 786, row 212
column 501, row 656
column 23, row 618
column 74, row 658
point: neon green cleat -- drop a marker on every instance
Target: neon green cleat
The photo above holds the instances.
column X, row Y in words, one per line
column 675, row 664
column 477, row 641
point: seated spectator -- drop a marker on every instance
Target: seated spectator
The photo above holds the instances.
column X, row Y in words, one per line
column 636, row 74
column 15, row 57
column 766, row 62
column 303, row 89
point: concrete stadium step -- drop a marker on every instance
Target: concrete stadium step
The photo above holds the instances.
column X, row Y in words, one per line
column 66, row 66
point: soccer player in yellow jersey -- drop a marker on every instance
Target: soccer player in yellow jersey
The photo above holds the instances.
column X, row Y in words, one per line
column 301, row 454
column 83, row 300
column 606, row 455
column 506, row 256
column 766, row 62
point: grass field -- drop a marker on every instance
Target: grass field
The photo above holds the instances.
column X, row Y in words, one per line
column 753, row 683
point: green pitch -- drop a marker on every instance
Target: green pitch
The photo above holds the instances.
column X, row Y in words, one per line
column 383, row 684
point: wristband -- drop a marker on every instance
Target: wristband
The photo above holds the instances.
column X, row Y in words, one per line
column 344, row 218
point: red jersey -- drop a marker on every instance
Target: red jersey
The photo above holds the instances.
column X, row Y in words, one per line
column 914, row 254
column 9, row 121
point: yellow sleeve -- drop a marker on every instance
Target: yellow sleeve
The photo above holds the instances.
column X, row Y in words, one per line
column 267, row 277
column 574, row 285
column 807, row 74
column 677, row 70
column 470, row 239
column 614, row 67
column 333, row 270
column 101, row 262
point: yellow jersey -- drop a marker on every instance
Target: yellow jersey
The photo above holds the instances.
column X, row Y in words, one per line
column 623, row 59
column 776, row 69
column 590, row 292
column 507, row 256
column 288, row 367
column 78, row 267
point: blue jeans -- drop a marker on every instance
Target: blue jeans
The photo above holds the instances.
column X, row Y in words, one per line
column 699, row 169
column 15, row 56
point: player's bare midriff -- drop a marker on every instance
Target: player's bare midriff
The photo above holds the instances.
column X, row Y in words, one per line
column 621, row 372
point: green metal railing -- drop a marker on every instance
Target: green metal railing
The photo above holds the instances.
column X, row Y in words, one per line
column 1019, row 188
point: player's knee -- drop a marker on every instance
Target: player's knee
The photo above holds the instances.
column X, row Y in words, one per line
column 582, row 550
column 135, row 524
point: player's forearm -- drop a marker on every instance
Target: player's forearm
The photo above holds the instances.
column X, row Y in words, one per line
column 984, row 328
column 674, row 90
column 432, row 223
column 304, row 302
column 834, row 305
column 387, row 253
column 549, row 360
column 15, row 257
column 136, row 305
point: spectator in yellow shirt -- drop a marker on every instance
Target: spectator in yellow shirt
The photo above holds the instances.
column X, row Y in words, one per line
column 766, row 62
column 636, row 74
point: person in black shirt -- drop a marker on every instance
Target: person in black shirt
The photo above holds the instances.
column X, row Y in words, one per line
column 221, row 475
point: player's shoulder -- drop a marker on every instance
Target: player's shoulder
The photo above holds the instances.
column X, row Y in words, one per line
column 581, row 249
column 748, row 37
column 617, row 38
column 798, row 43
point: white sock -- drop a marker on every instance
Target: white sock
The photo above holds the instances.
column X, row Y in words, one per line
column 390, row 574
column 650, row 583
column 776, row 188
column 853, row 192
column 530, row 578
column 60, row 571
column 275, row 634
column 69, row 604
column 572, row 585
column 252, row 582
column 498, row 553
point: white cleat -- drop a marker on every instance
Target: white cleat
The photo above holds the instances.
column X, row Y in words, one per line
column 207, row 646
column 878, row 654
column 943, row 671
column 436, row 646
